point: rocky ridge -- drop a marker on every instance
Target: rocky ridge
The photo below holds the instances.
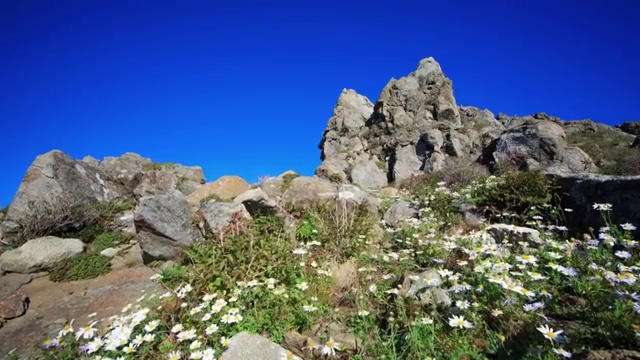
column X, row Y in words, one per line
column 416, row 126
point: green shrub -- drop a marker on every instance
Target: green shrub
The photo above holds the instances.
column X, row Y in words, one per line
column 109, row 239
column 342, row 225
column 261, row 251
column 518, row 193
column 61, row 215
column 80, row 267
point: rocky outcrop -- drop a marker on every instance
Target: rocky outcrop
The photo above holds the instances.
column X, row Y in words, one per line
column 416, row 126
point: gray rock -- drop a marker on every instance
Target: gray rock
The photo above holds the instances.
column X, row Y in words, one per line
column 630, row 127
column 537, row 144
column 125, row 169
column 51, row 176
column 124, row 222
column 275, row 186
column 425, row 287
column 258, row 203
column 514, row 234
column 220, row 215
column 368, row 175
column 164, row 225
column 109, row 252
column 40, row 254
column 249, row 346
column 399, row 212
column 306, row 191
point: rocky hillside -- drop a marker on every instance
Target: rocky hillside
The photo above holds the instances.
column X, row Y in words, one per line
column 426, row 233
column 415, row 126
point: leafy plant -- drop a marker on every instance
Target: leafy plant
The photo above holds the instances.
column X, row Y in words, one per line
column 80, row 267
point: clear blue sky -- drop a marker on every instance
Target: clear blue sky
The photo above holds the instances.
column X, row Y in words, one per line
column 247, row 89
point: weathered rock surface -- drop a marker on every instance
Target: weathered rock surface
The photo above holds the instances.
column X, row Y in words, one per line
column 399, row 212
column 218, row 216
column 368, row 175
column 250, row 346
column 258, row 203
column 165, row 226
column 53, row 175
column 416, row 126
column 424, row 287
column 306, row 191
column 56, row 175
column 274, row 187
column 514, row 234
column 52, row 304
column 40, row 254
column 537, row 144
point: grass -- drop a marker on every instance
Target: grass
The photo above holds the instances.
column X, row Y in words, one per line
column 508, row 300
column 610, row 151
column 80, row 267
column 110, row 239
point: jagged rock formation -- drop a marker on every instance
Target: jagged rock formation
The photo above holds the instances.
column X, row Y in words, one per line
column 416, row 126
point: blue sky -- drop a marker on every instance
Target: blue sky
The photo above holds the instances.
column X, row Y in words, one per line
column 247, row 88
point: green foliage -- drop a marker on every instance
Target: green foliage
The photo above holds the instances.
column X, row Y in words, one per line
column 109, row 239
column 342, row 226
column 286, row 181
column 261, row 251
column 107, row 211
column 68, row 216
column 515, row 192
column 82, row 266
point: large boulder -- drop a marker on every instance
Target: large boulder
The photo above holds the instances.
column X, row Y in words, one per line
column 224, row 188
column 54, row 175
column 368, row 175
column 220, row 217
column 165, row 226
column 537, row 145
column 251, row 346
column 306, row 191
column 40, row 254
